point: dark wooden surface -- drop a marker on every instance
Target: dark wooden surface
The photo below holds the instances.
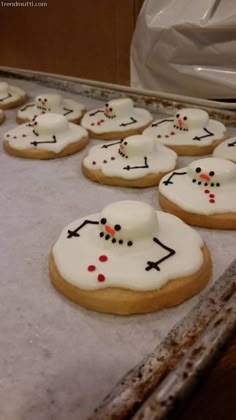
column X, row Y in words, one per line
column 215, row 396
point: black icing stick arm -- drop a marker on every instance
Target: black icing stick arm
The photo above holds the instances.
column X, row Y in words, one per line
column 27, row 106
column 127, row 168
column 160, row 122
column 208, row 134
column 35, row 143
column 233, row 144
column 133, row 121
column 6, row 97
column 105, row 146
column 74, row 233
column 96, row 112
column 68, row 111
column 155, row 264
column 168, row 181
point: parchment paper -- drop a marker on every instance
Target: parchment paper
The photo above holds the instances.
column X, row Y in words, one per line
column 58, row 360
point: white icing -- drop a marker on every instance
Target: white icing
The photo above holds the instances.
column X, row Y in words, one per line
column 45, row 128
column 117, row 115
column 125, row 264
column 226, row 150
column 208, row 187
column 14, row 92
column 187, row 125
column 145, row 154
column 49, row 102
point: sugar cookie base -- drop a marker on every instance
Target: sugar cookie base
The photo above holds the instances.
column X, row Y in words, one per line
column 149, row 180
column 14, row 104
column 27, row 120
column 196, row 150
column 114, row 135
column 125, row 301
column 225, row 221
column 46, row 154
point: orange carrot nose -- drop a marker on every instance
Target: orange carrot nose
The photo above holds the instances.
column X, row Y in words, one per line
column 180, row 123
column 205, row 176
column 110, row 230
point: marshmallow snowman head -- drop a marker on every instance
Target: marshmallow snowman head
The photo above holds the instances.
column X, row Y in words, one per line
column 137, row 146
column 50, row 124
column 212, row 172
column 118, row 108
column 48, row 101
column 4, row 86
column 189, row 118
column 123, row 222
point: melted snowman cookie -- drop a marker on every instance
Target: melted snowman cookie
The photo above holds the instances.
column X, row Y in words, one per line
column 137, row 161
column 48, row 136
column 190, row 132
column 11, row 96
column 226, row 150
column 202, row 194
column 48, row 102
column 117, row 119
column 129, row 259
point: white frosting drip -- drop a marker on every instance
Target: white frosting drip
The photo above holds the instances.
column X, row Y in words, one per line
column 49, row 102
column 140, row 153
column 185, row 128
column 117, row 115
column 226, row 150
column 208, row 187
column 124, row 265
column 14, row 93
column 45, row 128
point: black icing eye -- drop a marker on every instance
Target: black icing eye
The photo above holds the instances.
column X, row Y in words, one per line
column 185, row 118
column 117, row 227
column 110, row 109
column 103, row 221
column 39, row 99
column 198, row 170
column 106, row 105
column 125, row 143
column 212, row 173
column 45, row 100
column 177, row 115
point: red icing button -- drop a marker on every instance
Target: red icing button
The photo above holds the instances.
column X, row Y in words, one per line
column 166, row 135
column 98, row 123
column 206, row 191
column 103, row 258
column 172, row 133
column 159, row 136
column 101, row 277
column 102, row 121
column 112, row 158
column 91, row 268
column 211, row 200
column 94, row 163
column 14, row 137
column 105, row 161
column 212, row 195
column 8, row 135
column 92, row 124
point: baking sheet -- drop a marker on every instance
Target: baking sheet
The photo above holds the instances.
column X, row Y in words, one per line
column 58, row 360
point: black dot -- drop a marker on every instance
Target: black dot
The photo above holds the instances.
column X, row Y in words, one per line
column 217, row 184
column 107, row 237
column 194, row 180
column 45, row 99
column 120, row 242
column 39, row 99
column 199, row 182
column 101, row 234
column 106, row 105
column 125, row 143
column 212, row 173
column 177, row 115
column 206, row 183
column 198, row 170
column 110, row 109
column 181, row 128
column 113, row 240
column 117, row 227
column 129, row 243
column 185, row 118
column 212, row 184
column 103, row 221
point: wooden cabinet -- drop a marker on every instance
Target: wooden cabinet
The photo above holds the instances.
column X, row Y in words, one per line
column 83, row 38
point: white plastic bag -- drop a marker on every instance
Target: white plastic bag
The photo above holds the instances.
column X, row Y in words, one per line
column 186, row 47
